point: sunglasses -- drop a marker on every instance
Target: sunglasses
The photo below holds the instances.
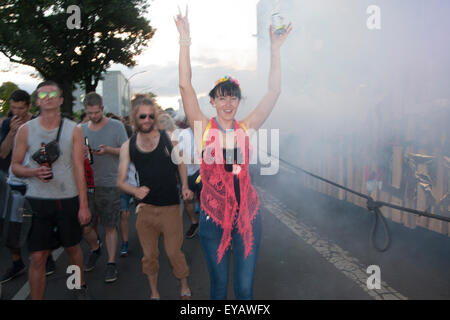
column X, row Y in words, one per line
column 43, row 94
column 143, row 116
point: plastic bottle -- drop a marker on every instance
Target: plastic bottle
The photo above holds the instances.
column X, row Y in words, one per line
column 90, row 157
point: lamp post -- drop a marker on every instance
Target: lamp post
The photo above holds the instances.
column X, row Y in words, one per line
column 127, row 81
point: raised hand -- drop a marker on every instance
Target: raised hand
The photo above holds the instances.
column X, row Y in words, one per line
column 182, row 24
column 278, row 40
column 15, row 123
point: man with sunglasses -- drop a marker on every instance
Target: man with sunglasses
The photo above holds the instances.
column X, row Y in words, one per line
column 105, row 136
column 159, row 210
column 57, row 195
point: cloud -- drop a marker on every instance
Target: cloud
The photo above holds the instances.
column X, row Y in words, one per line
column 163, row 80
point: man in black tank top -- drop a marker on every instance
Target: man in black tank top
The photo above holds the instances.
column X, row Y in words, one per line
column 159, row 210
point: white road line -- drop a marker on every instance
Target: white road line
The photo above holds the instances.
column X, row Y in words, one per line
column 342, row 260
column 24, row 292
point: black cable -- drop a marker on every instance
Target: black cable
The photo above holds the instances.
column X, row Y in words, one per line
column 372, row 206
column 386, row 204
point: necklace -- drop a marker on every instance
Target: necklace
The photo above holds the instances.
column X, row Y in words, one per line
column 224, row 130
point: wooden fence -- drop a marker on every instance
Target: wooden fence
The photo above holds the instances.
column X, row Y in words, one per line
column 406, row 164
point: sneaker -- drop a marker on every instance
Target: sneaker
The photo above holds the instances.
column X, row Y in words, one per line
column 192, row 231
column 92, row 260
column 124, row 250
column 13, row 272
column 50, row 266
column 99, row 241
column 110, row 273
column 82, row 293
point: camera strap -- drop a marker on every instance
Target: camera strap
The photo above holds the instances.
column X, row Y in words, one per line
column 59, row 129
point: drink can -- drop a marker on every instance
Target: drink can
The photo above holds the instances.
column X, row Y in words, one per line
column 278, row 24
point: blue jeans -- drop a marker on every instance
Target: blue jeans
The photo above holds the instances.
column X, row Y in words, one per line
column 244, row 268
column 125, row 199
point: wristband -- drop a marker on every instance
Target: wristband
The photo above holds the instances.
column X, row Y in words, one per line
column 185, row 42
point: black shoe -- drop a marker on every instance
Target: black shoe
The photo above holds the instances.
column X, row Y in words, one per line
column 110, row 273
column 13, row 272
column 92, row 260
column 82, row 293
column 50, row 266
column 192, row 231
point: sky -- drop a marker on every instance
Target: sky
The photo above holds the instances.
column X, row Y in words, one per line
column 222, row 35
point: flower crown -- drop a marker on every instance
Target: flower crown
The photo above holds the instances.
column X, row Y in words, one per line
column 225, row 79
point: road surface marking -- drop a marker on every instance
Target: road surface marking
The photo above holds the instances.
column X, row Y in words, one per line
column 24, row 292
column 341, row 259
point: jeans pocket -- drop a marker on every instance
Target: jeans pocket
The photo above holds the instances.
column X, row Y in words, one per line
column 207, row 228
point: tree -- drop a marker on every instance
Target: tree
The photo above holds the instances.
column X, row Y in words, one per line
column 41, row 34
column 5, row 92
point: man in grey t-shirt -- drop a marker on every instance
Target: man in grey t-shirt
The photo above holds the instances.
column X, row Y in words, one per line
column 105, row 137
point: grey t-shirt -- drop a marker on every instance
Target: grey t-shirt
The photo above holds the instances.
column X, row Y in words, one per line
column 105, row 167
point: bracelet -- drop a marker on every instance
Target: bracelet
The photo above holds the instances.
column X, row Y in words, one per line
column 185, row 42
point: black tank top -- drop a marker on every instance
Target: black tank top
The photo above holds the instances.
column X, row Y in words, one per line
column 157, row 172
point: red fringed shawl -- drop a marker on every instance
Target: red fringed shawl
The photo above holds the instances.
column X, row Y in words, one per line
column 218, row 198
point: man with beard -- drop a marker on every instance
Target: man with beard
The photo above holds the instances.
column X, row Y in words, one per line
column 159, row 210
column 105, row 137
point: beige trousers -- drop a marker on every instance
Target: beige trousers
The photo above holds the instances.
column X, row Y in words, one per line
column 152, row 221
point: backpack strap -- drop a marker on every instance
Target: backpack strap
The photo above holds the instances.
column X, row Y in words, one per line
column 168, row 144
column 59, row 129
column 165, row 140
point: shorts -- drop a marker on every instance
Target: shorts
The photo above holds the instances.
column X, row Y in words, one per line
column 104, row 204
column 125, row 199
column 195, row 187
column 54, row 224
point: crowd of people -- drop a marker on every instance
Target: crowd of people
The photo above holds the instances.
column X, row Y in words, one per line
column 80, row 177
column 54, row 192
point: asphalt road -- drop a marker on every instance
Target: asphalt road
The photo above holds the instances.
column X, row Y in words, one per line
column 313, row 247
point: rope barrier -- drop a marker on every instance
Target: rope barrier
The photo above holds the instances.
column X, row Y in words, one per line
column 372, row 205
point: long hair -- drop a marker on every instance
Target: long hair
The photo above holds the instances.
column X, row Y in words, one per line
column 138, row 101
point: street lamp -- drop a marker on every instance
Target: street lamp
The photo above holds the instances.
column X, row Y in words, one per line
column 127, row 81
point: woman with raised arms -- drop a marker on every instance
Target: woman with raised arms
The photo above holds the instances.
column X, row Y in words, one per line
column 229, row 217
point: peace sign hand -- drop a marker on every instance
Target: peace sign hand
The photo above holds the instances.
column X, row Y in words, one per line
column 182, row 24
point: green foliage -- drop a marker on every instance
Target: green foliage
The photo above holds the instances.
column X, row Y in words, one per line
column 5, row 92
column 77, row 115
column 35, row 33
